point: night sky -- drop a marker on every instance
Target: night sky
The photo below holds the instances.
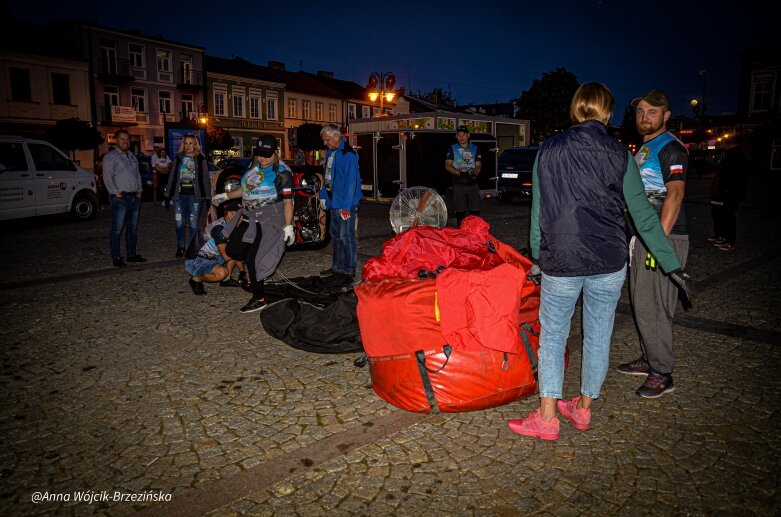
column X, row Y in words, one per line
column 481, row 51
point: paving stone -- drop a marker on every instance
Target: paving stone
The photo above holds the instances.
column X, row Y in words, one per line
column 120, row 388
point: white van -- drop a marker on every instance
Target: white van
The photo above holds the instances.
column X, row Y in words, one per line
column 36, row 178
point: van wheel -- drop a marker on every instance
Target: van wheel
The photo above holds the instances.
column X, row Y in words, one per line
column 84, row 208
column 504, row 197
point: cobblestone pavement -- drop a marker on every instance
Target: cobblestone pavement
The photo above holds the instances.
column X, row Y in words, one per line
column 122, row 382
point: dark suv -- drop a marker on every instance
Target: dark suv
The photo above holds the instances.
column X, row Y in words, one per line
column 514, row 172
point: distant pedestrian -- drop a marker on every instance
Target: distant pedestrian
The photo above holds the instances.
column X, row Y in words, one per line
column 188, row 187
column 264, row 225
column 728, row 192
column 206, row 259
column 123, row 182
column 161, row 166
column 341, row 195
column 463, row 163
column 582, row 179
column 663, row 161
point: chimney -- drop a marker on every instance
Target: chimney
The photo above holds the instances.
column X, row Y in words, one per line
column 276, row 65
column 325, row 73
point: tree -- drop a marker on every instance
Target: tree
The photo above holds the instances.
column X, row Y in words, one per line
column 71, row 134
column 440, row 96
column 308, row 137
column 546, row 103
column 629, row 133
column 218, row 139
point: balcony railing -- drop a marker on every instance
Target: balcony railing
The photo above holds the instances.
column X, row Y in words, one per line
column 107, row 117
column 116, row 69
column 189, row 78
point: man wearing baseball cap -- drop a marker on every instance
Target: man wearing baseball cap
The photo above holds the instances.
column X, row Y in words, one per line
column 463, row 163
column 663, row 161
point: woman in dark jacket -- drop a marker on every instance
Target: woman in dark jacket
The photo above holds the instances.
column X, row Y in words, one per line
column 582, row 181
column 188, row 186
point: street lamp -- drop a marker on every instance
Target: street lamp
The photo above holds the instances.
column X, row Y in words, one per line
column 381, row 85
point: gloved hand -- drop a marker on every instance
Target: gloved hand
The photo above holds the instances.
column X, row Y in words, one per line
column 220, row 199
column 650, row 262
column 345, row 214
column 290, row 235
column 323, row 205
column 535, row 274
column 679, row 278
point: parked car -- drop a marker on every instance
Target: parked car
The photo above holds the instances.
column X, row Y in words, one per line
column 36, row 178
column 144, row 167
column 514, row 172
column 237, row 162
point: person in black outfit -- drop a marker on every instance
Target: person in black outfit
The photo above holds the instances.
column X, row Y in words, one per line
column 728, row 191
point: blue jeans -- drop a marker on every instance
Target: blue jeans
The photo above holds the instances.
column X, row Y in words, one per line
column 124, row 214
column 186, row 208
column 557, row 304
column 345, row 245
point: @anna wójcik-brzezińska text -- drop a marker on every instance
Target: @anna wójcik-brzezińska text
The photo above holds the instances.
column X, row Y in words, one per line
column 101, row 496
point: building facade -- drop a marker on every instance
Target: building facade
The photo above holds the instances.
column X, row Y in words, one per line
column 41, row 84
column 246, row 100
column 307, row 101
column 759, row 106
column 140, row 83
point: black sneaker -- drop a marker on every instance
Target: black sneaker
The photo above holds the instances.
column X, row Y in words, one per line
column 636, row 367
column 656, row 385
column 254, row 305
column 230, row 282
column 197, row 287
column 136, row 258
column 179, row 252
column 118, row 262
column 327, row 272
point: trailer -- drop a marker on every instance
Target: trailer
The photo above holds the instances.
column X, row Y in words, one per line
column 396, row 152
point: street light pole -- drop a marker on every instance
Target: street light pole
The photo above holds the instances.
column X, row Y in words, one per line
column 381, row 85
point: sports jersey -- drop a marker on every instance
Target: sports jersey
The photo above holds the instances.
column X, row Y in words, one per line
column 464, row 159
column 205, row 243
column 661, row 160
column 264, row 185
column 187, row 173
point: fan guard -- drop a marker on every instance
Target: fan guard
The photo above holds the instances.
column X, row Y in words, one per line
column 416, row 206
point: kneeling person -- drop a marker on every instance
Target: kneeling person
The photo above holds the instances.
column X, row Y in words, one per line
column 206, row 259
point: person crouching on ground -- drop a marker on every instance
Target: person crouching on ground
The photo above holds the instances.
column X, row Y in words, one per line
column 582, row 181
column 264, row 224
column 206, row 259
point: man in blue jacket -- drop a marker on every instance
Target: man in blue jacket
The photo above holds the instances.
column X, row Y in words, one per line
column 341, row 195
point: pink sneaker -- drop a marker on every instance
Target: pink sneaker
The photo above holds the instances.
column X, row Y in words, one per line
column 534, row 425
column 580, row 418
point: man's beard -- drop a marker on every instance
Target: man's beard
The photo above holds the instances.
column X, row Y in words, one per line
column 649, row 129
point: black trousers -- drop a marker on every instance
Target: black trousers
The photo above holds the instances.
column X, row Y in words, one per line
column 237, row 249
column 725, row 223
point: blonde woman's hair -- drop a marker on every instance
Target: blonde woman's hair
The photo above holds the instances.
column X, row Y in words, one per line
column 197, row 144
column 592, row 101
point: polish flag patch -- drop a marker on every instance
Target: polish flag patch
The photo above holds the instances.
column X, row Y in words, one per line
column 676, row 169
column 287, row 191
